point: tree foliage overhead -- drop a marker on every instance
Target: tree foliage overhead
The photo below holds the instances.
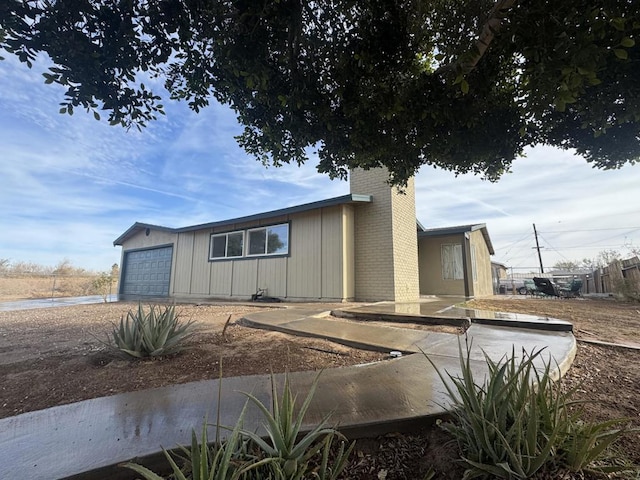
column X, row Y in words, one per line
column 460, row 84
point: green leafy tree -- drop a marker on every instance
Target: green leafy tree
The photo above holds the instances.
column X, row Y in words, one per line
column 463, row 85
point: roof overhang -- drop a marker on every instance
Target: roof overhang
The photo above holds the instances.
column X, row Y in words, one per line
column 458, row 230
column 330, row 202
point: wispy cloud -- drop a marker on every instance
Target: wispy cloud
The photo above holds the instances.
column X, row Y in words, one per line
column 71, row 185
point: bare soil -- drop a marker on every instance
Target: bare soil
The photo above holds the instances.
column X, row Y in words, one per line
column 55, row 356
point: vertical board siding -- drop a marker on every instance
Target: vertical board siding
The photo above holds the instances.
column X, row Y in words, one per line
column 244, row 281
column 304, row 265
column 220, row 283
column 272, row 275
column 200, row 269
column 348, row 252
column 331, row 260
column 184, row 258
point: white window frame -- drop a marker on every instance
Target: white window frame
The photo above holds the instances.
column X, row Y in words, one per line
column 266, row 229
column 451, row 261
column 226, row 245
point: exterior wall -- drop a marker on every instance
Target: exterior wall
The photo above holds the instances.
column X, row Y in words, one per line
column 386, row 250
column 483, row 285
column 321, row 253
column 432, row 280
column 430, row 264
column 348, row 253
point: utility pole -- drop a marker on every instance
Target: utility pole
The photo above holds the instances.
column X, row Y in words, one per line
column 537, row 247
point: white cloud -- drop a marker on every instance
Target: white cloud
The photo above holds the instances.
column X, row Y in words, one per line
column 73, row 185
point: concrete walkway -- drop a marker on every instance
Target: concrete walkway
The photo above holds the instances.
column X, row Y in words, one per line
column 86, row 439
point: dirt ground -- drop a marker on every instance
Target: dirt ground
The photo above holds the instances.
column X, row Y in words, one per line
column 56, row 356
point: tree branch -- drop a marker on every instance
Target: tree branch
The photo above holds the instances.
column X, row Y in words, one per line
column 488, row 32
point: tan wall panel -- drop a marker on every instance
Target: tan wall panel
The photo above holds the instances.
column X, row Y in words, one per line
column 332, row 264
column 182, row 267
column 220, row 283
column 245, row 278
column 483, row 286
column 430, row 264
column 348, row 253
column 200, row 270
column 154, row 239
column 272, row 275
column 304, row 265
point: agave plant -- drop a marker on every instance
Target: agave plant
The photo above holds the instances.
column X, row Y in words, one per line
column 284, row 442
column 244, row 455
column 519, row 420
column 226, row 460
column 147, row 334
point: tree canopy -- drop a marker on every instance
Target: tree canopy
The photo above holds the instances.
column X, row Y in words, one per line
column 464, row 85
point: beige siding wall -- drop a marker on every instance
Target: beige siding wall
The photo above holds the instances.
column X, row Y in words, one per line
column 430, row 261
column 331, row 258
column 183, row 256
column 154, row 239
column 483, row 285
column 304, row 272
column 314, row 270
column 220, row 285
column 348, row 252
column 244, row 278
column 272, row 276
column 386, row 251
column 200, row 271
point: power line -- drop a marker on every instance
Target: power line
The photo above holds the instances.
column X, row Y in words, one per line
column 592, row 230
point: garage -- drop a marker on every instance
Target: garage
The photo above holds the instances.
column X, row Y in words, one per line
column 147, row 272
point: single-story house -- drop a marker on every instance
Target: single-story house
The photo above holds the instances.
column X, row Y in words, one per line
column 364, row 246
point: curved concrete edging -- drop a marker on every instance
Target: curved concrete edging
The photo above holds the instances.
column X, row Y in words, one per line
column 88, row 439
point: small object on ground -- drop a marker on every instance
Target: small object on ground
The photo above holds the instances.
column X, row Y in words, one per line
column 260, row 296
column 395, row 354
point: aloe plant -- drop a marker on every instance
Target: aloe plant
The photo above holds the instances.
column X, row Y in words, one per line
column 218, row 461
column 244, row 455
column 147, row 334
column 283, row 442
column 519, row 421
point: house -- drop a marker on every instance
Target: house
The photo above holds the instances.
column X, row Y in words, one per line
column 498, row 272
column 364, row 246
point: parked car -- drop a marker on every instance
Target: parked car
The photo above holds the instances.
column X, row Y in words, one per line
column 508, row 285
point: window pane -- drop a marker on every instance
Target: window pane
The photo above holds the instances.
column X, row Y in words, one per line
column 218, row 246
column 452, row 262
column 278, row 239
column 257, row 241
column 234, row 244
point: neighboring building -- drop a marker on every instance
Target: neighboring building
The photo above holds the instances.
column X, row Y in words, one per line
column 498, row 272
column 364, row 246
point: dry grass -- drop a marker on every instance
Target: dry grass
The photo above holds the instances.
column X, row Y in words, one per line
column 47, row 286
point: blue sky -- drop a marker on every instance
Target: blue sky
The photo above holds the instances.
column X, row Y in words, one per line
column 70, row 185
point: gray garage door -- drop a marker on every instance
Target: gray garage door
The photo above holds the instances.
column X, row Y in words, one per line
column 147, row 272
